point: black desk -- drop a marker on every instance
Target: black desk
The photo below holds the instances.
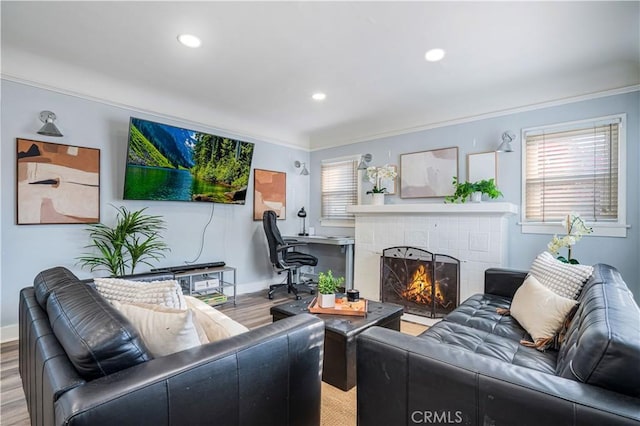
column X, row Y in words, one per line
column 346, row 242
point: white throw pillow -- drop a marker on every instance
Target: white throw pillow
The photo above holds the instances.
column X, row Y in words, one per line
column 166, row 293
column 163, row 331
column 216, row 325
column 562, row 278
column 539, row 310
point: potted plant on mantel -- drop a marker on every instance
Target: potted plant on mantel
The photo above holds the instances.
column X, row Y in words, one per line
column 473, row 190
column 134, row 239
column 327, row 286
column 376, row 175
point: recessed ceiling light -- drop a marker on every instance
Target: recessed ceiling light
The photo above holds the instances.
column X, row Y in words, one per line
column 318, row 96
column 189, row 40
column 434, row 55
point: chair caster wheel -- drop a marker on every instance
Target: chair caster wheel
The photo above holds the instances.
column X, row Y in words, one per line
column 312, row 292
column 298, row 297
column 270, row 296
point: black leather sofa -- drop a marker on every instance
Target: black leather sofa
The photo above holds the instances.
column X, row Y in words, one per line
column 82, row 363
column 471, row 369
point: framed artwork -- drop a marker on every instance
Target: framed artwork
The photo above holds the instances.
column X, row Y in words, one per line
column 428, row 173
column 482, row 166
column 391, row 183
column 57, row 183
column 269, row 193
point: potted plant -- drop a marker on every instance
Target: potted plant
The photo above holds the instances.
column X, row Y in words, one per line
column 327, row 286
column 375, row 176
column 134, row 239
column 465, row 190
column 576, row 228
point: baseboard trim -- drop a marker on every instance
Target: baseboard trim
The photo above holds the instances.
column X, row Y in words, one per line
column 252, row 287
column 9, row 333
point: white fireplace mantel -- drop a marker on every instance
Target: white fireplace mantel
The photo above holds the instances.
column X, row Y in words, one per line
column 488, row 208
column 474, row 233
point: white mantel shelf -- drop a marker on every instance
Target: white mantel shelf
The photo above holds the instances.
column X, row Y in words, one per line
column 484, row 208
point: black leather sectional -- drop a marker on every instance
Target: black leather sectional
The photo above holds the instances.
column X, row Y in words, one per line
column 471, row 369
column 82, row 363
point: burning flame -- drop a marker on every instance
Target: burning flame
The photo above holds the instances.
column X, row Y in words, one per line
column 420, row 289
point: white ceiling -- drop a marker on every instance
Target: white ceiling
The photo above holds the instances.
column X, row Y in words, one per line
column 260, row 62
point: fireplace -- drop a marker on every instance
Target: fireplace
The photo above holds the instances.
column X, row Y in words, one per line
column 425, row 283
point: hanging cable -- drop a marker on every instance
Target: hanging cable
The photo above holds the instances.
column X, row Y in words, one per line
column 204, row 230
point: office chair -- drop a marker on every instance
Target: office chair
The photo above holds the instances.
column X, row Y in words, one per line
column 283, row 256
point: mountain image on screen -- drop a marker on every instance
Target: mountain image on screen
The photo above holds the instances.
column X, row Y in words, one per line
column 174, row 164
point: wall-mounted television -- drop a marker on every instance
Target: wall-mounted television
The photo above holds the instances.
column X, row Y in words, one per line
column 170, row 163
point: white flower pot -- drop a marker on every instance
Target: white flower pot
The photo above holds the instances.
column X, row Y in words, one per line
column 476, row 197
column 327, row 300
column 378, row 199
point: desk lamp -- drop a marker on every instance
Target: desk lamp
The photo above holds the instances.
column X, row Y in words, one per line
column 303, row 215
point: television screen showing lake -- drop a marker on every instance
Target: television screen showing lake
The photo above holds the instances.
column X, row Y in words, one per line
column 174, row 164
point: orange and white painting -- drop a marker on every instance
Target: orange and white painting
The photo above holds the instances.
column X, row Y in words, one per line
column 270, row 193
column 57, row 183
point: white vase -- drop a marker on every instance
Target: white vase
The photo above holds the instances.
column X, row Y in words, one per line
column 327, row 300
column 476, row 197
column 378, row 199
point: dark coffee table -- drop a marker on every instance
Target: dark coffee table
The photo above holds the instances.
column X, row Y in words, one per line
column 340, row 335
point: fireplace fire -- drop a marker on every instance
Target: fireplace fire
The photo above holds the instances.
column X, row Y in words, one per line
column 424, row 283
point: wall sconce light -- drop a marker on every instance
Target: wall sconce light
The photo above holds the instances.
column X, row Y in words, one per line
column 364, row 160
column 507, row 137
column 49, row 129
column 304, row 171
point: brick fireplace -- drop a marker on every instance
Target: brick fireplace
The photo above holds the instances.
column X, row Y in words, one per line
column 473, row 233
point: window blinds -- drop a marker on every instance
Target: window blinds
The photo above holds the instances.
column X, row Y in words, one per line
column 339, row 188
column 573, row 170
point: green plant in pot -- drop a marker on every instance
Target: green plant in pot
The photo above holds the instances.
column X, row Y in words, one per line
column 464, row 190
column 135, row 239
column 327, row 287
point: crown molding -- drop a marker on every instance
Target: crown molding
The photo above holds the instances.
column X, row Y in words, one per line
column 239, row 134
column 485, row 116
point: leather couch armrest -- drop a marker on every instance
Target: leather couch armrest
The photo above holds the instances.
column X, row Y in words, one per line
column 502, row 281
column 403, row 379
column 270, row 375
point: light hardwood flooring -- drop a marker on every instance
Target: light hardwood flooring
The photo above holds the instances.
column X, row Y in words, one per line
column 251, row 310
column 13, row 408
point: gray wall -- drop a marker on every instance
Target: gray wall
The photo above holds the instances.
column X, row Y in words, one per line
column 484, row 135
column 232, row 236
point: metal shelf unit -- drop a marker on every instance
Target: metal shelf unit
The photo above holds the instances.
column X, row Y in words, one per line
column 218, row 279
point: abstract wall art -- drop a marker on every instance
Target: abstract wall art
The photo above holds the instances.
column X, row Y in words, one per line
column 270, row 193
column 57, row 183
column 428, row 173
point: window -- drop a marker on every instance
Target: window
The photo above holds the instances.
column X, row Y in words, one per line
column 575, row 167
column 339, row 187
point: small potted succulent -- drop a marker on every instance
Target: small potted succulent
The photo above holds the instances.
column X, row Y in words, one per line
column 473, row 191
column 327, row 287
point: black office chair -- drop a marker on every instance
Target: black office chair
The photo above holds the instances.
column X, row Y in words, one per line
column 283, row 256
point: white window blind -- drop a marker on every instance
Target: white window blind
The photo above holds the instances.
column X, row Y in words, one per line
column 572, row 169
column 339, row 188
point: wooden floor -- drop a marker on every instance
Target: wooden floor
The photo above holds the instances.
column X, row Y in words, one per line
column 13, row 408
column 252, row 310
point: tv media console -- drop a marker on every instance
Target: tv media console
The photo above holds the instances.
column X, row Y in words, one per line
column 207, row 281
